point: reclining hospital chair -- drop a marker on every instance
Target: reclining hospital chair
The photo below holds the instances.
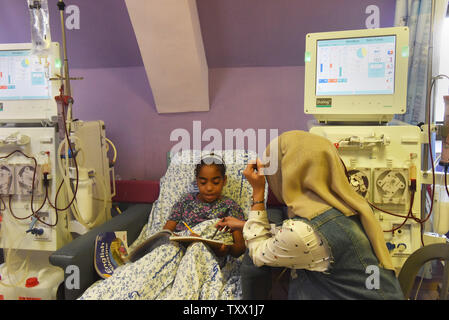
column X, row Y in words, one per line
column 413, row 264
column 144, row 219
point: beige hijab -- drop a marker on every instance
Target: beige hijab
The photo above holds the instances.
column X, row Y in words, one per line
column 310, row 179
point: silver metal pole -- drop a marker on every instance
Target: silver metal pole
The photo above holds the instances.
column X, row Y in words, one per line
column 429, row 114
column 66, row 76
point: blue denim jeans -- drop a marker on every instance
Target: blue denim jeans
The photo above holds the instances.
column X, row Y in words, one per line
column 256, row 281
column 354, row 271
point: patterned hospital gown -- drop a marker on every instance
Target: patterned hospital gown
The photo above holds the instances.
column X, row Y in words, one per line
column 193, row 211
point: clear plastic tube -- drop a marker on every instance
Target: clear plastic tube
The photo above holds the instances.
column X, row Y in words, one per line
column 65, row 175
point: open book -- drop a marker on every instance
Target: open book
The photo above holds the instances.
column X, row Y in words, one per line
column 189, row 239
column 149, row 244
column 111, row 250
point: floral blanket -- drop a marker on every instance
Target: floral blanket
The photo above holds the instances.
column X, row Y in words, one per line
column 175, row 271
column 172, row 270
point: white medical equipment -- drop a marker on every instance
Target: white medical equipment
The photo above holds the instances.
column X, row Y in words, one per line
column 28, row 146
column 382, row 164
column 26, row 77
column 355, row 82
column 356, row 75
column 55, row 175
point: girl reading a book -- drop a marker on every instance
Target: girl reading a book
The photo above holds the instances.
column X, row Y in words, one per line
column 174, row 271
column 208, row 203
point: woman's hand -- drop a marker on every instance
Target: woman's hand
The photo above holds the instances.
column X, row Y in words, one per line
column 235, row 226
column 254, row 174
column 230, row 224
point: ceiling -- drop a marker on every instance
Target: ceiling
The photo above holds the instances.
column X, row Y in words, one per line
column 177, row 41
column 236, row 33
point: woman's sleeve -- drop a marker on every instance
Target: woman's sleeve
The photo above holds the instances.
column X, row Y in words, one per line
column 295, row 244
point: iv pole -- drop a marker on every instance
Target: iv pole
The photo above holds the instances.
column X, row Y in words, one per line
column 428, row 115
column 66, row 91
column 66, row 100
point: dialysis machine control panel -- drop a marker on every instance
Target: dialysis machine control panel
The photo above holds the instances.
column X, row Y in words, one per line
column 382, row 164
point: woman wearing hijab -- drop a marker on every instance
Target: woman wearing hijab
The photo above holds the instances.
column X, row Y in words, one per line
column 331, row 240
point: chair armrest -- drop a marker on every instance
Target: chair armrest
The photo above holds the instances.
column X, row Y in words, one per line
column 80, row 252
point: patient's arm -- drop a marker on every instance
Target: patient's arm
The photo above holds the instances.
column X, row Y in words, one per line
column 171, row 225
column 220, row 250
column 235, row 250
column 238, row 248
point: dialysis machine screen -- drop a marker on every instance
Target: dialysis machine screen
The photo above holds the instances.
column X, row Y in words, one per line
column 356, row 66
column 27, row 93
column 358, row 75
column 22, row 76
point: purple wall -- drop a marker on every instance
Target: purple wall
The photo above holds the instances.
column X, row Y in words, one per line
column 246, row 98
column 239, row 35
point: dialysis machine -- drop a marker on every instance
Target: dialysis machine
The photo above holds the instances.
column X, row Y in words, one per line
column 355, row 82
column 54, row 181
